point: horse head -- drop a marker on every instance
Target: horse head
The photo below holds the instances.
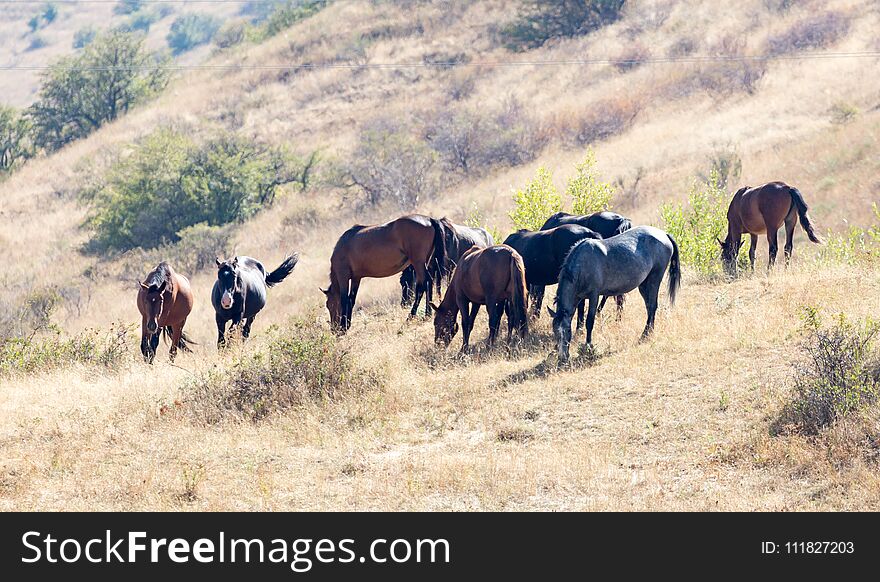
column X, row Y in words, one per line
column 334, row 306
column 445, row 325
column 729, row 254
column 154, row 302
column 229, row 277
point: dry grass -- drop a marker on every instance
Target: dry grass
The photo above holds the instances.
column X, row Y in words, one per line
column 680, row 422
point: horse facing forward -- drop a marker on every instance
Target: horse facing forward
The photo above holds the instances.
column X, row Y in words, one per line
column 382, row 251
column 494, row 277
column 165, row 300
column 760, row 210
column 239, row 292
column 638, row 258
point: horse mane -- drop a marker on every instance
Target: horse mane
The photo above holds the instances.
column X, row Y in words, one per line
column 161, row 274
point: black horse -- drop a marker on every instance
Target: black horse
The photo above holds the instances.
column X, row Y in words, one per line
column 459, row 239
column 543, row 253
column 240, row 291
column 607, row 224
column 637, row 258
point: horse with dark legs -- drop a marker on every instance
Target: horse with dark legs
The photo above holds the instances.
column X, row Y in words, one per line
column 239, row 292
column 495, row 277
column 543, row 253
column 638, row 258
column 164, row 300
column 381, row 251
column 607, row 224
column 459, row 239
column 761, row 210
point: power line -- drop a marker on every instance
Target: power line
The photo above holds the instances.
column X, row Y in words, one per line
column 693, row 59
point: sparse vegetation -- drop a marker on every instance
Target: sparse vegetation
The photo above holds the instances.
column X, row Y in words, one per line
column 542, row 20
column 587, row 192
column 534, row 204
column 857, row 245
column 191, row 30
column 15, row 144
column 52, row 350
column 84, row 36
column 82, row 92
column 810, row 33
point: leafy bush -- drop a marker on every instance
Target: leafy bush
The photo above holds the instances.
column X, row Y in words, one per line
column 84, row 36
column 476, row 219
column 602, row 120
column 856, row 246
column 291, row 12
column 632, row 57
column 15, row 143
column 843, row 113
column 191, row 30
column 535, row 203
column 726, row 162
column 232, row 34
column 697, row 225
column 196, row 250
column 80, row 93
column 169, row 183
column 40, row 353
column 587, row 192
column 388, row 164
column 303, row 364
column 839, row 377
column 37, row 42
column 128, row 6
column 812, row 32
column 542, row 20
column 734, row 71
column 50, row 13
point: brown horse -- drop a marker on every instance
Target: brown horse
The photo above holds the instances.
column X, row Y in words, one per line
column 165, row 300
column 763, row 210
column 494, row 277
column 382, row 251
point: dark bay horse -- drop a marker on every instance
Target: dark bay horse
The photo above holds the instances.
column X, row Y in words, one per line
column 760, row 210
column 165, row 300
column 543, row 253
column 494, row 277
column 638, row 258
column 459, row 239
column 239, row 292
column 607, row 224
column 382, row 251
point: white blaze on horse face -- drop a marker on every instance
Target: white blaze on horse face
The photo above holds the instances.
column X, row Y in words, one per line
column 226, row 299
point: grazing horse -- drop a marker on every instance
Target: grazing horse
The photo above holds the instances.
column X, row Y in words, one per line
column 165, row 300
column 239, row 292
column 543, row 253
column 382, row 251
column 607, row 224
column 495, row 277
column 459, row 239
column 637, row 258
column 763, row 210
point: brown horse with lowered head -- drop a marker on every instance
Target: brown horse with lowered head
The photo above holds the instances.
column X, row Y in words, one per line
column 380, row 251
column 165, row 300
column 495, row 277
column 763, row 210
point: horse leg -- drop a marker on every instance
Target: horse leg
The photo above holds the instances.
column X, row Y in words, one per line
column 176, row 332
column 145, row 343
column 468, row 313
column 620, row 300
column 407, row 291
column 752, row 246
column 352, row 297
column 650, row 290
column 591, row 317
column 154, row 345
column 790, row 224
column 599, row 309
column 580, row 312
column 495, row 310
column 246, row 330
column 421, row 281
column 537, row 292
column 772, row 235
column 221, row 330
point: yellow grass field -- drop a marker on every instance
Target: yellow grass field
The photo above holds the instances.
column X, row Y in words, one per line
column 680, row 422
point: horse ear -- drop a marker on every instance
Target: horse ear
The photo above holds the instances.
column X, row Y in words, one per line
column 434, row 307
column 235, row 262
column 325, row 291
column 552, row 313
column 144, row 285
column 719, row 241
column 218, row 261
column 161, row 288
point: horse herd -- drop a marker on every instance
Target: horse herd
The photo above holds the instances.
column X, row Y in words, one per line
column 590, row 258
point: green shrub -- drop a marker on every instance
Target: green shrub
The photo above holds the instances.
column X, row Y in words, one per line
column 476, row 219
column 39, row 353
column 839, row 377
column 305, row 363
column 289, row 13
column 84, row 36
column 542, row 20
column 50, row 13
column 697, row 225
column 196, row 250
column 191, row 30
column 169, row 183
column 15, row 142
column 587, row 192
column 856, row 246
column 535, row 203
column 128, row 6
column 80, row 93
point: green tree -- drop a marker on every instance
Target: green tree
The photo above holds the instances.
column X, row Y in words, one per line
column 535, row 203
column 80, row 93
column 540, row 20
column 588, row 193
column 14, row 138
column 191, row 30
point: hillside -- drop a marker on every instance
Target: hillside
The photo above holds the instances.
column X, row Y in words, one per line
column 679, row 422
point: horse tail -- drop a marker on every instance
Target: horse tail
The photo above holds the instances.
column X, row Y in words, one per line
column 437, row 264
column 674, row 271
column 519, row 295
column 282, row 271
column 185, row 341
column 799, row 203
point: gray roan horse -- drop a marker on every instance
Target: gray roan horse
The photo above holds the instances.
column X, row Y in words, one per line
column 240, row 291
column 614, row 266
